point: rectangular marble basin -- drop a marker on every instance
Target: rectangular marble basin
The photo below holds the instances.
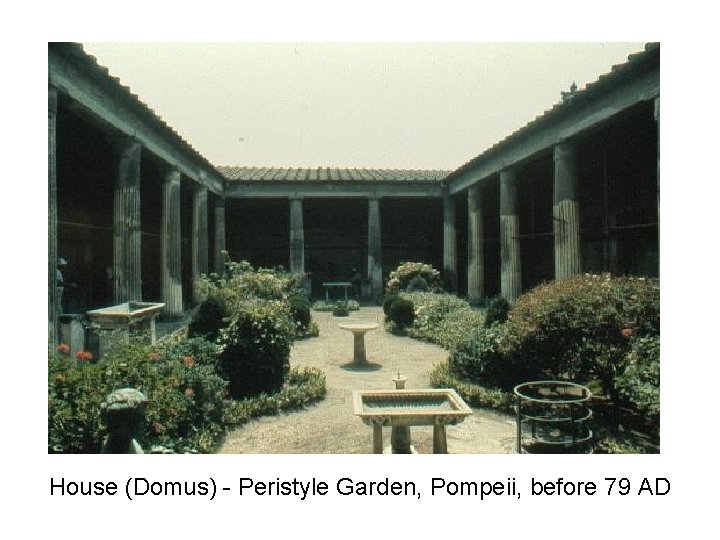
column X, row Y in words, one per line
column 125, row 314
column 400, row 409
column 411, row 406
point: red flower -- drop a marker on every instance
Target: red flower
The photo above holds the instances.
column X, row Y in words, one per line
column 626, row 332
column 189, row 361
column 84, row 356
column 157, row 427
column 190, row 393
column 154, row 356
column 64, row 348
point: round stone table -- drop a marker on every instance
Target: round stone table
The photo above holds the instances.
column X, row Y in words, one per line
column 359, row 330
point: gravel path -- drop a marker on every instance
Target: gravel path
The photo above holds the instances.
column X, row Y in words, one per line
column 330, row 427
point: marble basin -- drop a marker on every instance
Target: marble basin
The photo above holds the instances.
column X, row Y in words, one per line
column 401, row 409
column 125, row 313
column 122, row 317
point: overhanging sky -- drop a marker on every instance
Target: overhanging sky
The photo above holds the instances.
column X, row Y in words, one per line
column 427, row 106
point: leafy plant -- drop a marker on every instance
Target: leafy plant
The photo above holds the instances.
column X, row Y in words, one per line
column 401, row 277
column 255, row 347
column 402, row 313
column 497, row 311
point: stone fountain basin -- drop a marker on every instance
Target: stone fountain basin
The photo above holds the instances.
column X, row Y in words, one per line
column 125, row 314
column 411, row 406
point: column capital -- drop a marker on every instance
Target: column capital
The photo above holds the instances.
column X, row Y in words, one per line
column 172, row 175
column 564, row 150
column 52, row 99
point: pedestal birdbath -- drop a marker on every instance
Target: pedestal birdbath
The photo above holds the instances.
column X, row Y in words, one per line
column 401, row 409
column 358, row 331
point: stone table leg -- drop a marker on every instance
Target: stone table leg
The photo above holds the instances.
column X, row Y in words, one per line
column 359, row 348
column 400, row 440
column 153, row 333
column 377, row 439
column 439, row 438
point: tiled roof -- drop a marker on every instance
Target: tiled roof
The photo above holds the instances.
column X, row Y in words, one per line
column 636, row 62
column 77, row 52
column 330, row 174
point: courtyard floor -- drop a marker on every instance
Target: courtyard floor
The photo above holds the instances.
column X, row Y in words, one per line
column 330, row 426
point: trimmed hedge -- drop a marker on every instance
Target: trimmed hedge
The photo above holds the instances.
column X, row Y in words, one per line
column 255, row 347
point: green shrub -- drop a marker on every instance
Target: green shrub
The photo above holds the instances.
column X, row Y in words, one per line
column 321, row 305
column 444, row 319
column 580, row 328
column 402, row 313
column 387, row 302
column 243, row 282
column 481, row 357
column 497, row 311
column 406, row 272
column 255, row 347
column 341, row 309
column 417, row 284
column 208, row 319
column 186, row 397
column 303, row 386
column 353, row 305
column 473, row 394
column 639, row 381
column 300, row 312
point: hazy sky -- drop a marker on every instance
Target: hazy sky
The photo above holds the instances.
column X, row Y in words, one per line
column 352, row 105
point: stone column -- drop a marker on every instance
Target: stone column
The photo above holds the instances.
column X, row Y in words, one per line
column 566, row 212
column 219, row 234
column 199, row 236
column 127, row 268
column 449, row 243
column 510, row 268
column 475, row 256
column 52, row 221
column 375, row 247
column 657, row 120
column 171, row 259
column 297, row 237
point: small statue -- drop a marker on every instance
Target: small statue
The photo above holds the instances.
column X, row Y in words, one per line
column 124, row 413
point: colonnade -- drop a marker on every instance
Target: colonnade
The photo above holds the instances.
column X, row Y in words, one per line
column 127, row 281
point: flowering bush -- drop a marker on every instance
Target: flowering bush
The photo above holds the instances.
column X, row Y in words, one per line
column 401, row 277
column 243, row 282
column 185, row 405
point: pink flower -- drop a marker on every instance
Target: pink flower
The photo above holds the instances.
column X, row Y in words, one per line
column 64, row 348
column 626, row 332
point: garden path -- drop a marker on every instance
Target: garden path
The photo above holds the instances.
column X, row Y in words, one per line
column 330, row 426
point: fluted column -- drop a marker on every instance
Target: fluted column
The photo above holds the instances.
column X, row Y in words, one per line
column 126, row 231
column 297, row 237
column 657, row 120
column 171, row 258
column 219, row 234
column 510, row 269
column 52, row 220
column 475, row 257
column 566, row 212
column 375, row 247
column 449, row 243
column 199, row 236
